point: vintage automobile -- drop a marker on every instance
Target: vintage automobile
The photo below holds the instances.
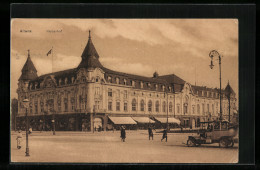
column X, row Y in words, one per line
column 221, row 132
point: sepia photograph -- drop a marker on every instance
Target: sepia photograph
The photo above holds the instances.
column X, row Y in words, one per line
column 124, row 90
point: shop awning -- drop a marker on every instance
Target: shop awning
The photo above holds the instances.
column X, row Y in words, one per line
column 143, row 120
column 170, row 120
column 122, row 120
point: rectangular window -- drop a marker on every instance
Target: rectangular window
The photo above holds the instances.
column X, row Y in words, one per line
column 203, row 109
column 117, row 106
column 65, row 107
column 125, row 94
column 193, row 109
column 110, row 106
column 97, row 105
column 36, row 109
column 125, row 106
column 118, row 93
column 208, row 108
column 97, row 90
column 110, row 92
column 59, row 107
column 178, row 109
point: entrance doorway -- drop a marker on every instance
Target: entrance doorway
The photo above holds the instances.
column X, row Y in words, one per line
column 97, row 123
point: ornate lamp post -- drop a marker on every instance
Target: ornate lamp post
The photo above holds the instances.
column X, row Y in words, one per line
column 53, row 121
column 213, row 54
column 228, row 92
column 26, row 105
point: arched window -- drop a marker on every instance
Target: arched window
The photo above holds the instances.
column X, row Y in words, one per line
column 198, row 109
column 150, row 104
column 157, row 106
column 170, row 107
column 133, row 105
column 164, row 106
column 142, row 105
column 185, row 105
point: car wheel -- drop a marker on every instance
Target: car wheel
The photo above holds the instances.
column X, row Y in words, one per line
column 223, row 142
column 190, row 143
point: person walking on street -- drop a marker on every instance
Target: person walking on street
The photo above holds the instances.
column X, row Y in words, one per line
column 164, row 135
column 123, row 135
column 150, row 132
column 19, row 138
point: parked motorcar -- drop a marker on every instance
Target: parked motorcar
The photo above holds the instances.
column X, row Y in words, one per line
column 221, row 132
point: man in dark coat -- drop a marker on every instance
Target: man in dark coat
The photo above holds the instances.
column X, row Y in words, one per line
column 164, row 135
column 123, row 135
column 150, row 132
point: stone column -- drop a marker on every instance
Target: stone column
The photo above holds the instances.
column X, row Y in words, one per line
column 91, row 122
column 105, row 122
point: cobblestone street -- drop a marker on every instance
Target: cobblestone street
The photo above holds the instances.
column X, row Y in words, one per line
column 106, row 147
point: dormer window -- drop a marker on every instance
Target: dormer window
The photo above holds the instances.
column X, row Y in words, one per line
column 170, row 89
column 117, row 80
column 66, row 80
column 132, row 83
column 163, row 87
column 59, row 81
column 156, row 87
column 36, row 84
column 149, row 85
column 109, row 79
column 124, row 81
column 72, row 79
column 97, row 79
column 141, row 84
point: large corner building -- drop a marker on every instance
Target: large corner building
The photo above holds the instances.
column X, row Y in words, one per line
column 92, row 95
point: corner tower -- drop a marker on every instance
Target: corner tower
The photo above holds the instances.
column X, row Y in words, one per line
column 90, row 57
column 29, row 72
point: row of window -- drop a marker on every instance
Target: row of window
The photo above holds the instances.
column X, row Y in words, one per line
column 141, row 84
column 142, row 106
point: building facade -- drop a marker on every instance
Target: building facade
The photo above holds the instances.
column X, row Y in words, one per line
column 91, row 93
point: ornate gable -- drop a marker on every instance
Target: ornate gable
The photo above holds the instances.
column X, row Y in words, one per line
column 49, row 82
column 82, row 76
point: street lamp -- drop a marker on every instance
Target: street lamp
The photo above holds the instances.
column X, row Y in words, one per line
column 53, row 121
column 215, row 54
column 26, row 105
column 228, row 92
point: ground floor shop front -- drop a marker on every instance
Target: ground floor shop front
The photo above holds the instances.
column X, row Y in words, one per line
column 103, row 122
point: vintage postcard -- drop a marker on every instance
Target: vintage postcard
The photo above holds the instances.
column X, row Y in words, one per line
column 124, row 90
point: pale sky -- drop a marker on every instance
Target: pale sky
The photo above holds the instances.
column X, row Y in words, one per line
column 137, row 46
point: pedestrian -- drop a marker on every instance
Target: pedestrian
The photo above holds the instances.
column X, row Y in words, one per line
column 123, row 134
column 19, row 138
column 30, row 130
column 164, row 135
column 83, row 127
column 150, row 132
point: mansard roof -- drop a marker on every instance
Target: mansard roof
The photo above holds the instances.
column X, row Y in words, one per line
column 90, row 57
column 29, row 72
column 172, row 78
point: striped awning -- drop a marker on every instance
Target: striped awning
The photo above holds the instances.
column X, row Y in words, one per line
column 143, row 120
column 122, row 120
column 170, row 120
